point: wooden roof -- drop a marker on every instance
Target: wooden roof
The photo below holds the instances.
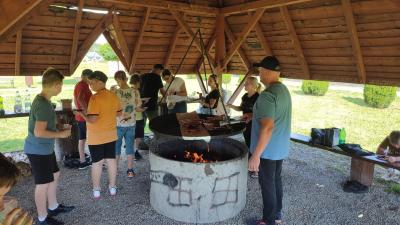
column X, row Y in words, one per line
column 338, row 40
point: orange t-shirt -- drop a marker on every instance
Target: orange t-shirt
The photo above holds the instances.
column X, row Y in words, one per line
column 105, row 104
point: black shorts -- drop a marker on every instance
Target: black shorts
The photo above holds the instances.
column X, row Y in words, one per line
column 103, row 151
column 139, row 129
column 43, row 167
column 82, row 130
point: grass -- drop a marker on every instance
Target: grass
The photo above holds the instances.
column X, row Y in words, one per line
column 391, row 186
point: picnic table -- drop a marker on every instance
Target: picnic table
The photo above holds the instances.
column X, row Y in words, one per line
column 362, row 167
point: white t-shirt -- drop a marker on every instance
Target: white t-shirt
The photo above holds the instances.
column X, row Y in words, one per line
column 128, row 102
column 175, row 87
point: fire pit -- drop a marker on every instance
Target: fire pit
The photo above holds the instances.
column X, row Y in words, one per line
column 198, row 182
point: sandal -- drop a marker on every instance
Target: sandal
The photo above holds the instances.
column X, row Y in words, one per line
column 131, row 173
column 113, row 191
column 96, row 193
column 278, row 217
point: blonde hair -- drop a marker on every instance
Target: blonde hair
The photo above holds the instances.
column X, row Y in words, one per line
column 255, row 83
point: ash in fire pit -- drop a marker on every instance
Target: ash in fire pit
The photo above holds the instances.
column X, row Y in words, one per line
column 188, row 189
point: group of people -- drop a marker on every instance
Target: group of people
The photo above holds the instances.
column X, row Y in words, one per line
column 107, row 117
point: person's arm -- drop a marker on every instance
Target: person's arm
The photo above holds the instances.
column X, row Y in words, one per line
column 382, row 147
column 42, row 132
column 266, row 128
column 163, row 92
column 93, row 111
column 182, row 90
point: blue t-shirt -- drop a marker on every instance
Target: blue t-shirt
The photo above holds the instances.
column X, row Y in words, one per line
column 273, row 103
column 41, row 110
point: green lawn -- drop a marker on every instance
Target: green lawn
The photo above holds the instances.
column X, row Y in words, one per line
column 364, row 125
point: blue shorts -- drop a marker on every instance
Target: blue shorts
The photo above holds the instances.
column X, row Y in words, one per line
column 127, row 133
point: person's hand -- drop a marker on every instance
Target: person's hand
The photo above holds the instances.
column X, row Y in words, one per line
column 79, row 113
column 391, row 159
column 65, row 133
column 254, row 163
column 247, row 117
column 18, row 217
column 229, row 106
column 140, row 109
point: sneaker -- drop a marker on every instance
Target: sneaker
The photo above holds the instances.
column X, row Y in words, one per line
column 262, row 222
column 96, row 194
column 113, row 191
column 138, row 156
column 60, row 209
column 131, row 173
column 49, row 221
column 84, row 165
column 278, row 217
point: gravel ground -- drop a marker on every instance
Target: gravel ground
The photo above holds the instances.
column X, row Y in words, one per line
column 312, row 195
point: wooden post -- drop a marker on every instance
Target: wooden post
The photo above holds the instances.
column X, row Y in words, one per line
column 351, row 26
column 120, row 38
column 75, row 38
column 18, row 44
column 138, row 41
column 362, row 171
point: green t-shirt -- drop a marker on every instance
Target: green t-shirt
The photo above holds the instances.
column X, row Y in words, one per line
column 273, row 103
column 41, row 110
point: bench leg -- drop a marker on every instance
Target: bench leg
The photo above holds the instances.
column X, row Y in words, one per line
column 362, row 171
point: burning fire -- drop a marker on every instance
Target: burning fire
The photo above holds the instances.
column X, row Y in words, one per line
column 195, row 157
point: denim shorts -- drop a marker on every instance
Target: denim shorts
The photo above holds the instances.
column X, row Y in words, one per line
column 127, row 133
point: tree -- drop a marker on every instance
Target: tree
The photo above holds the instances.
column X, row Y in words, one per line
column 107, row 52
column 226, row 79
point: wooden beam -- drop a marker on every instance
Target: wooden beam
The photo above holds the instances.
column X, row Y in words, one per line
column 351, row 26
column 168, row 5
column 295, row 40
column 262, row 39
column 138, row 41
column 238, row 89
column 240, row 51
column 210, row 43
column 92, row 37
column 18, row 44
column 220, row 47
column 261, row 4
column 179, row 18
column 172, row 45
column 116, row 49
column 75, row 38
column 16, row 14
column 120, row 39
column 235, row 46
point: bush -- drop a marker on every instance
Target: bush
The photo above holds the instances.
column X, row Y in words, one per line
column 314, row 87
column 379, row 96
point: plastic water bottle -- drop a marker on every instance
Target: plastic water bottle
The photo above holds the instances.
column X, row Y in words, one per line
column 2, row 112
column 18, row 103
column 27, row 101
column 342, row 136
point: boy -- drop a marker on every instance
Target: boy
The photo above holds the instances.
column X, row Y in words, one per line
column 139, row 128
column 39, row 147
column 130, row 102
column 82, row 96
column 9, row 175
column 104, row 107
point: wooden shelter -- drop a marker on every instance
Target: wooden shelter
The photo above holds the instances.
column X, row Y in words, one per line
column 354, row 41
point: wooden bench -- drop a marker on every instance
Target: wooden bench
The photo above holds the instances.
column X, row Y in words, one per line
column 362, row 167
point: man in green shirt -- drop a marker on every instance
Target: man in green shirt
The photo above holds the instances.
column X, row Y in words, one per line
column 270, row 138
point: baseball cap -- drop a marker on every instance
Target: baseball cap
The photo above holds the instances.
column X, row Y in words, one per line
column 98, row 75
column 158, row 66
column 269, row 63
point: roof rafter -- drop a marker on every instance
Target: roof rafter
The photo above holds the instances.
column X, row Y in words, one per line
column 138, row 41
column 16, row 14
column 295, row 40
column 88, row 42
column 161, row 4
column 262, row 39
column 261, row 4
column 172, row 45
column 75, row 38
column 114, row 46
column 236, row 45
column 178, row 17
column 210, row 44
column 240, row 51
column 120, row 39
column 351, row 26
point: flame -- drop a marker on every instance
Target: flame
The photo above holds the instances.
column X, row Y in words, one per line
column 195, row 157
